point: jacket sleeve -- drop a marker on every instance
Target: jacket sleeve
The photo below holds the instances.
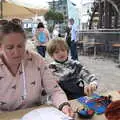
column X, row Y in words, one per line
column 51, row 86
column 87, row 76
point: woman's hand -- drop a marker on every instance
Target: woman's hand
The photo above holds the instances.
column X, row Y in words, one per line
column 88, row 90
column 68, row 111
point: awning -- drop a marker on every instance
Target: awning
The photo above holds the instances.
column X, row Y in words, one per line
column 10, row 10
column 35, row 4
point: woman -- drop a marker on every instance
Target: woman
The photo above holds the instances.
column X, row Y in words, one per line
column 42, row 37
column 23, row 74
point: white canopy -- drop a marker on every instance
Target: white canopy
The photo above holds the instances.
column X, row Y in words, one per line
column 11, row 10
column 37, row 4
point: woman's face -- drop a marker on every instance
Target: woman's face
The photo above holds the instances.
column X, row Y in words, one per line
column 60, row 54
column 13, row 48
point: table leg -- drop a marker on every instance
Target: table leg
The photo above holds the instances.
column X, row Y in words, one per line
column 95, row 51
column 119, row 58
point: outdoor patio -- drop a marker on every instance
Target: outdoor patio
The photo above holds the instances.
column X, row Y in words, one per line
column 105, row 68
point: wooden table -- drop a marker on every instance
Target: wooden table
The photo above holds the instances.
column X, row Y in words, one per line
column 80, row 46
column 117, row 45
column 16, row 115
column 95, row 44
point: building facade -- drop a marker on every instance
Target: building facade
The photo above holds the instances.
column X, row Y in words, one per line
column 68, row 9
column 85, row 12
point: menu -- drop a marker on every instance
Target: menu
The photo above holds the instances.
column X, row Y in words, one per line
column 46, row 113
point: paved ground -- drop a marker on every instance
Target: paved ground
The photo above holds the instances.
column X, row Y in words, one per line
column 105, row 69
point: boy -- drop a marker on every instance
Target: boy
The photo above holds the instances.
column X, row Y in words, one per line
column 74, row 79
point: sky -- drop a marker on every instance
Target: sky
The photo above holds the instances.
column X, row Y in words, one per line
column 74, row 1
column 39, row 3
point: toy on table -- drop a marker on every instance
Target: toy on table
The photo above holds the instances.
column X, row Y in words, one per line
column 95, row 103
column 85, row 113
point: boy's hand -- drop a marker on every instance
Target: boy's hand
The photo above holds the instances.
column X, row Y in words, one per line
column 68, row 111
column 88, row 90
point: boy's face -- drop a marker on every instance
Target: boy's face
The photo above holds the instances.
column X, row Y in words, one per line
column 60, row 54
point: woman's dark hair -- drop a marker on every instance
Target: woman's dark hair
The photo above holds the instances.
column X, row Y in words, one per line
column 16, row 21
column 40, row 25
column 3, row 21
column 10, row 27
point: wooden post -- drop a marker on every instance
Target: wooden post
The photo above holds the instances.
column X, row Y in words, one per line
column 1, row 9
column 100, row 14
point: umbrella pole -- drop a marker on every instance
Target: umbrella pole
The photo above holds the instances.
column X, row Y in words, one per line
column 1, row 8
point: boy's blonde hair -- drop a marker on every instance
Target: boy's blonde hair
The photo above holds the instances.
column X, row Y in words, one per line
column 54, row 44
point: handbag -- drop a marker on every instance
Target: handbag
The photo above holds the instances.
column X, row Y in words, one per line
column 73, row 89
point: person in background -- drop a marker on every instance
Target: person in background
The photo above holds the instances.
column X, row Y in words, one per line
column 33, row 30
column 73, row 47
column 74, row 78
column 41, row 38
column 24, row 74
column 55, row 33
column 113, row 111
column 68, row 37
